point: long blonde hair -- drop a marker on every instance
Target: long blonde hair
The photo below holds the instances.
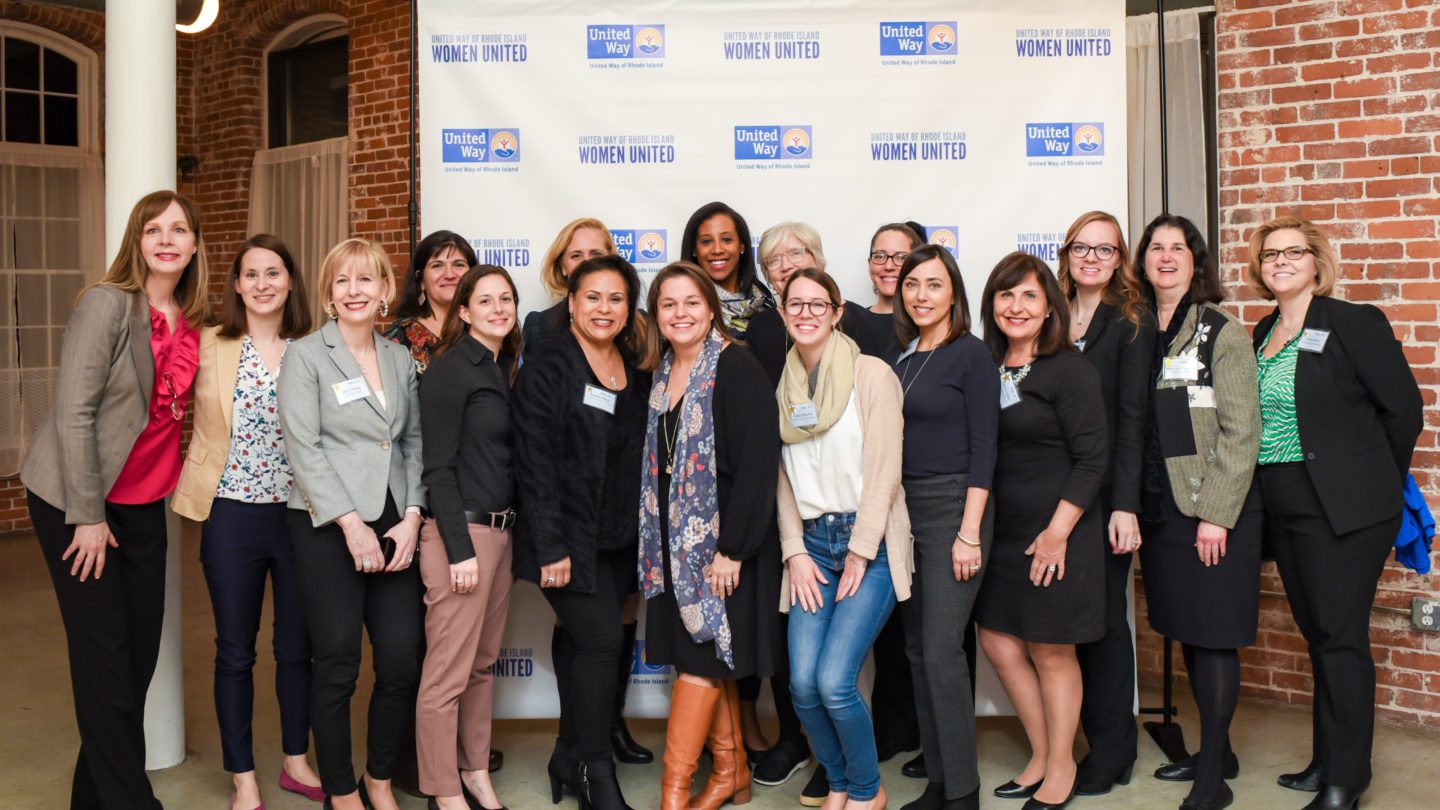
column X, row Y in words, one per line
column 1122, row 290
column 129, row 271
column 550, row 273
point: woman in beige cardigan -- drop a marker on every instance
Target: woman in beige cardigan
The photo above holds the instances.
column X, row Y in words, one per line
column 845, row 535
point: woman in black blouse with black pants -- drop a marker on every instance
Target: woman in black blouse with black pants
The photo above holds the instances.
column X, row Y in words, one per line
column 1116, row 333
column 579, row 418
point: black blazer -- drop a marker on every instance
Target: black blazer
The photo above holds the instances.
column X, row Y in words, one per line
column 1123, row 356
column 1359, row 412
column 560, row 455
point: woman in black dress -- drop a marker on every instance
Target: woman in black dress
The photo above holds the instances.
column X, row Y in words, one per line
column 713, row 446
column 1201, row 509
column 579, row 423
column 1045, row 589
column 1116, row 333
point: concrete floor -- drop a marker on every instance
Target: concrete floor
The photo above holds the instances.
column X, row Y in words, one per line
column 38, row 738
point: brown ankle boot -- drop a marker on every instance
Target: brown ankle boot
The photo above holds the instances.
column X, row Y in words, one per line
column 692, row 706
column 730, row 780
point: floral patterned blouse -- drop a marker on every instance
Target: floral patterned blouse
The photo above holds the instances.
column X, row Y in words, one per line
column 257, row 470
column 412, row 334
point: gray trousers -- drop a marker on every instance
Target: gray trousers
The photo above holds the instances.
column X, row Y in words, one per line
column 935, row 618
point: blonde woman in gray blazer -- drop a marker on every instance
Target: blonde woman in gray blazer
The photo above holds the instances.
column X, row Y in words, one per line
column 350, row 411
column 1202, row 512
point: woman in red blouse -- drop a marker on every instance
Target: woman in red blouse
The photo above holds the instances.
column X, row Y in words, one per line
column 97, row 475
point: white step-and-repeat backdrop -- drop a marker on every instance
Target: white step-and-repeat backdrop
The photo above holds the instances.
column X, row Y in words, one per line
column 994, row 123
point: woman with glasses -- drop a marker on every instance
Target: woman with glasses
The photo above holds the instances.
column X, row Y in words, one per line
column 1340, row 413
column 891, row 245
column 845, row 532
column 349, row 406
column 236, row 481
column 1200, row 505
column 96, row 478
column 717, row 240
column 950, row 397
column 1116, row 333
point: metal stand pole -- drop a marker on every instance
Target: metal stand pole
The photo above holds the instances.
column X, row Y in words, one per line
column 412, row 209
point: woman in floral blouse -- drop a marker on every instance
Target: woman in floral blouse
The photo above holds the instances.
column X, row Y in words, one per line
column 439, row 261
column 236, row 480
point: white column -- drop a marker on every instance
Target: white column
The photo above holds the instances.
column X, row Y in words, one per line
column 139, row 159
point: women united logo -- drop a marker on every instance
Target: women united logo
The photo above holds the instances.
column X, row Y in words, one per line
column 773, row 142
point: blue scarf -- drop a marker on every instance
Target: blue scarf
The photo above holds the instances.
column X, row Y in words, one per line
column 694, row 514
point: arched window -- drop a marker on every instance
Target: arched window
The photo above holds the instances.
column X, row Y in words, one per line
column 307, row 71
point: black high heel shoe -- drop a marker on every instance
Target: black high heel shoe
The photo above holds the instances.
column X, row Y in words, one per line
column 597, row 787
column 1309, row 780
column 1336, row 798
column 561, row 769
column 1015, row 790
column 1222, row 800
column 1096, row 780
column 1184, row 770
column 1033, row 803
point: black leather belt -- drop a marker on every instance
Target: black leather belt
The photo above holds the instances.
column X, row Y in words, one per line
column 494, row 520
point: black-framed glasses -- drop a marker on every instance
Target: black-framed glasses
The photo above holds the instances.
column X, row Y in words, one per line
column 176, row 410
column 1294, row 253
column 794, row 255
column 818, row 308
column 880, row 258
column 1080, row 250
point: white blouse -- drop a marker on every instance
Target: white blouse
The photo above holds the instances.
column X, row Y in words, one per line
column 827, row 471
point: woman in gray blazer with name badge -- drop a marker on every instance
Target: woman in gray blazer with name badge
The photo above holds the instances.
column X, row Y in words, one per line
column 350, row 411
column 1201, row 511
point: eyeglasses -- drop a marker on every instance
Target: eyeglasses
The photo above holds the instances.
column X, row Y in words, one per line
column 1294, row 253
column 1080, row 250
column 176, row 410
column 817, row 308
column 794, row 255
column 880, row 258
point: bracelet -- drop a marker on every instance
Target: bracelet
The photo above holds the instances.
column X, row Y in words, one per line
column 967, row 541
column 852, row 557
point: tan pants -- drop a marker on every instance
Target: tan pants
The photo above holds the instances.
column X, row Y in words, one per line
column 463, row 632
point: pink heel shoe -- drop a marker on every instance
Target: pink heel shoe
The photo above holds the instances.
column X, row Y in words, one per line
column 314, row 794
column 260, row 806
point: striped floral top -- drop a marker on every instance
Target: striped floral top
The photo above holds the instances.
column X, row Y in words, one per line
column 1279, row 429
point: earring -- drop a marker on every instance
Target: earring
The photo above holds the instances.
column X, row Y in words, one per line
column 330, row 310
column 422, row 298
column 384, row 309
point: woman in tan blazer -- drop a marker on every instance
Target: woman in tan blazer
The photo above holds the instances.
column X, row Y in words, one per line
column 349, row 406
column 236, row 481
column 96, row 478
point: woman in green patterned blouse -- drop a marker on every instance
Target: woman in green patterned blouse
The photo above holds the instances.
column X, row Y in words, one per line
column 1340, row 413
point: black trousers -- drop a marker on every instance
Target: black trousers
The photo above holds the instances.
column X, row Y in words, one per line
column 892, row 698
column 592, row 625
column 338, row 602
column 1330, row 580
column 112, row 631
column 1107, row 669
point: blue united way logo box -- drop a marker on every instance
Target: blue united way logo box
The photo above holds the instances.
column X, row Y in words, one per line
column 480, row 145
column 945, row 236
column 640, row 246
column 625, row 41
column 1061, row 140
column 774, row 142
column 918, row 38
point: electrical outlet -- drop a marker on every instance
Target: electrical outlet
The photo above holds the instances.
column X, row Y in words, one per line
column 1425, row 614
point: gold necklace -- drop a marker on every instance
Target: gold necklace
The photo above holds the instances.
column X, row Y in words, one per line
column 669, row 442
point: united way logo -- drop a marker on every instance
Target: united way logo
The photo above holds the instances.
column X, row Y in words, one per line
column 918, row 38
column 944, row 236
column 641, row 246
column 785, row 142
column 480, row 145
column 625, row 41
column 1065, row 140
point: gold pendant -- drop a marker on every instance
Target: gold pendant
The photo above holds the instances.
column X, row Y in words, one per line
column 669, row 469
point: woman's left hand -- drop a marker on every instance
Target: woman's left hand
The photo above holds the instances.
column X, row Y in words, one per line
column 723, row 574
column 852, row 576
column 404, row 534
column 1047, row 557
column 1210, row 542
column 1124, row 532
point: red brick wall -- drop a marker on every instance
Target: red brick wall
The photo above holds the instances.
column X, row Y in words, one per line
column 1330, row 111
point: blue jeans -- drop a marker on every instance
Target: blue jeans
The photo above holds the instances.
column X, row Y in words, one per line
column 826, row 650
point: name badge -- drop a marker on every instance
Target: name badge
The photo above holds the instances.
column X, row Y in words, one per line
column 1313, row 340
column 600, row 399
column 1181, row 368
column 1009, row 394
column 350, row 390
column 804, row 415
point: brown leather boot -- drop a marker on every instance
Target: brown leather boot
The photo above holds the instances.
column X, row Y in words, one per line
column 730, row 780
column 692, row 706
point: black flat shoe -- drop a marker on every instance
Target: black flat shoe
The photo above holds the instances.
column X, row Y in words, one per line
column 1015, row 790
column 1309, row 780
column 497, row 760
column 1184, row 770
column 932, row 799
column 1336, row 798
column 1033, row 803
column 776, row 766
column 626, row 749
column 472, row 800
column 915, row 768
column 1095, row 780
column 815, row 791
column 1223, row 800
